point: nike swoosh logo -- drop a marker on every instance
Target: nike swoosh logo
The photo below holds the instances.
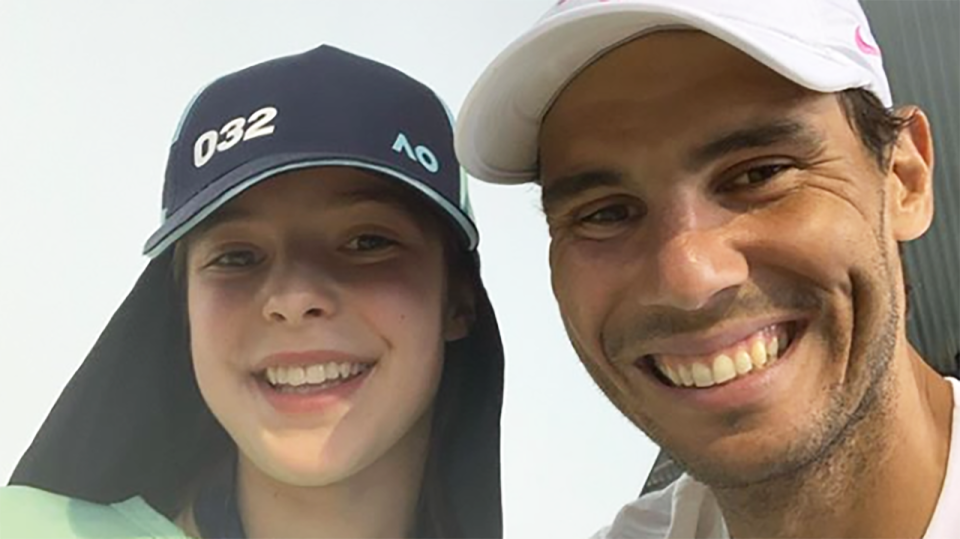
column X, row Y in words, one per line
column 862, row 44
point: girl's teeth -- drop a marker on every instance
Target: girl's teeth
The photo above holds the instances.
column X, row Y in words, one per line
column 313, row 374
column 296, row 376
column 316, row 374
column 332, row 371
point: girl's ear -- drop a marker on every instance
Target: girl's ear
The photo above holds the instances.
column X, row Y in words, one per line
column 461, row 311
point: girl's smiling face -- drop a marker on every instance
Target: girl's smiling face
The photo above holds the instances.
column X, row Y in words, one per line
column 319, row 310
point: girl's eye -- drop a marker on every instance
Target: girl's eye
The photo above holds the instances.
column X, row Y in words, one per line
column 370, row 242
column 757, row 176
column 235, row 259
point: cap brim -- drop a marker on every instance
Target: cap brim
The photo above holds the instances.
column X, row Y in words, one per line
column 235, row 182
column 496, row 137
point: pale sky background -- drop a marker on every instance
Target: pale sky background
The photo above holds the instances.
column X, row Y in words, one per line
column 91, row 93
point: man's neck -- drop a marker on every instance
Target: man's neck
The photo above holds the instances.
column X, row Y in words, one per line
column 377, row 501
column 881, row 480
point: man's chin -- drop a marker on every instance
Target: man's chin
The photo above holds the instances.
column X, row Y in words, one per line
column 740, row 472
column 742, row 461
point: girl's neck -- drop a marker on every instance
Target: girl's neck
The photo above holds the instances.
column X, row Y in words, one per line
column 379, row 500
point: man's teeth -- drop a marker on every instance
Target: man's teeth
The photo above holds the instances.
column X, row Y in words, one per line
column 758, row 354
column 313, row 374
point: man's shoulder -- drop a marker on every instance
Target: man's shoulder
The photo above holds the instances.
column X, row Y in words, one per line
column 684, row 508
column 28, row 512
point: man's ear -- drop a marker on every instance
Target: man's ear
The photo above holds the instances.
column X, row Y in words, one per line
column 911, row 195
column 461, row 311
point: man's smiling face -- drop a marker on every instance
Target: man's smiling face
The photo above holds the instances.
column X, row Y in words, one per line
column 724, row 252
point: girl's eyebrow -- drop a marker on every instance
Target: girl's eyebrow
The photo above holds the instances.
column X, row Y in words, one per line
column 343, row 199
column 222, row 217
column 380, row 195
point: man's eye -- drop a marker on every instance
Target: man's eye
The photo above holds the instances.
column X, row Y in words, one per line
column 608, row 215
column 236, row 259
column 370, row 242
column 757, row 176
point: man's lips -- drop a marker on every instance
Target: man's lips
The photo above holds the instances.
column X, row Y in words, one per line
column 748, row 355
column 713, row 340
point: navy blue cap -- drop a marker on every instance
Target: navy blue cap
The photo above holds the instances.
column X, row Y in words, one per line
column 324, row 107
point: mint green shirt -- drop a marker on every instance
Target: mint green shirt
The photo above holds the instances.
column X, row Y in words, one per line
column 29, row 513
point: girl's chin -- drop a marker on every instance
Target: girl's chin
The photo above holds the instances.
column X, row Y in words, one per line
column 309, row 478
column 295, row 470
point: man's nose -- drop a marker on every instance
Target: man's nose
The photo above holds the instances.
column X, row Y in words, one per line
column 299, row 292
column 688, row 266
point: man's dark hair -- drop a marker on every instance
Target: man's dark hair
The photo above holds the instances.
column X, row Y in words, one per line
column 877, row 126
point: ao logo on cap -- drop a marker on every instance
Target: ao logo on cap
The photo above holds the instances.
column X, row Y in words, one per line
column 420, row 154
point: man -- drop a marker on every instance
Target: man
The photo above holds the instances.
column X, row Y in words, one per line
column 726, row 187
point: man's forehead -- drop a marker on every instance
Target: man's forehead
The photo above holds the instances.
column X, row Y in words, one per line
column 699, row 133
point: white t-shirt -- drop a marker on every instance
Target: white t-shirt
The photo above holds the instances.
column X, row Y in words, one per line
column 687, row 509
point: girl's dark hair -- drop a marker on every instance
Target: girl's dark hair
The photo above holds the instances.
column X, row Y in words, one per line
column 436, row 519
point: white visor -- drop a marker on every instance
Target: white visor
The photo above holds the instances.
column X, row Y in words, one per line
column 823, row 45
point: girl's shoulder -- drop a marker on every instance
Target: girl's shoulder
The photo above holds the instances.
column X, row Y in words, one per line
column 28, row 513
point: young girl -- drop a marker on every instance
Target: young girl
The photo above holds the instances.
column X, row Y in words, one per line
column 310, row 352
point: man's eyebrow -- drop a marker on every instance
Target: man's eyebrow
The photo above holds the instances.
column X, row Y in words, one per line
column 557, row 192
column 757, row 136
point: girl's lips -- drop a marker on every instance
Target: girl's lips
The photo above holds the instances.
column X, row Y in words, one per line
column 317, row 374
column 308, row 398
column 307, row 357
